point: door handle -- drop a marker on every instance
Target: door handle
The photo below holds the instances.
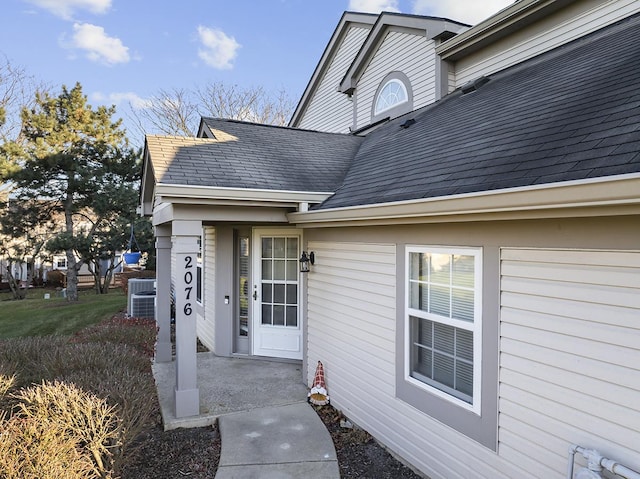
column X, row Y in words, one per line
column 255, row 295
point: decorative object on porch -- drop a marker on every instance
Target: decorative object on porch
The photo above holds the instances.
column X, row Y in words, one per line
column 306, row 260
column 132, row 257
column 318, row 394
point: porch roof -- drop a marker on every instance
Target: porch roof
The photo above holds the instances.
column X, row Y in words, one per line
column 253, row 156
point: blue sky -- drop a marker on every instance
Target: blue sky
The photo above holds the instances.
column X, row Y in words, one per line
column 123, row 51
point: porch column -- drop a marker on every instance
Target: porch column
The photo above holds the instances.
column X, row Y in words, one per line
column 163, row 293
column 185, row 246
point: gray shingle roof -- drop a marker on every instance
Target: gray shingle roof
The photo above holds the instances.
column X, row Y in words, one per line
column 249, row 155
column 570, row 114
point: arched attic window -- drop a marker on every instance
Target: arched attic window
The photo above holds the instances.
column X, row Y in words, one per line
column 393, row 93
column 394, row 97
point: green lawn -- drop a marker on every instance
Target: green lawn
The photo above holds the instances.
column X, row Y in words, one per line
column 36, row 316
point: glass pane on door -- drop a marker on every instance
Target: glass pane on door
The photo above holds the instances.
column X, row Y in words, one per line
column 280, row 281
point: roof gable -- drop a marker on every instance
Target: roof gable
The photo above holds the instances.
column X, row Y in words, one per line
column 431, row 27
column 347, row 20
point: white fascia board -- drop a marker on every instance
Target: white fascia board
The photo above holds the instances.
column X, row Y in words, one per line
column 600, row 196
column 191, row 193
column 501, row 24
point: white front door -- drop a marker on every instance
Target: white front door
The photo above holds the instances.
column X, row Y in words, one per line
column 277, row 328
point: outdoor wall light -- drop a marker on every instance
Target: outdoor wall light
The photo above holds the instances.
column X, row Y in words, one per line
column 306, row 260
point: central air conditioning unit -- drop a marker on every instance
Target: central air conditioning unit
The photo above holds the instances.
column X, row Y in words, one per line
column 137, row 286
column 143, row 305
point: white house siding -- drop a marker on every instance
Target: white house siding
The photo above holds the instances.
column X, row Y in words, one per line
column 351, row 303
column 408, row 53
column 351, row 329
column 577, row 20
column 570, row 356
column 451, row 86
column 206, row 321
column 330, row 110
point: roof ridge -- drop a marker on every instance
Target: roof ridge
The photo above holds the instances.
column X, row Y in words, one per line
column 179, row 137
column 267, row 125
column 426, row 17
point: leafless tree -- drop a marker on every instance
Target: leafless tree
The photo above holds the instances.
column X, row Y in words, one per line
column 169, row 112
column 17, row 90
column 178, row 111
column 253, row 104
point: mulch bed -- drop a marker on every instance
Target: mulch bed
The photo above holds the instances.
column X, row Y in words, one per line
column 359, row 455
column 191, row 453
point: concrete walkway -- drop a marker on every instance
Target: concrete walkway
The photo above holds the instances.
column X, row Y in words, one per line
column 267, row 429
column 282, row 442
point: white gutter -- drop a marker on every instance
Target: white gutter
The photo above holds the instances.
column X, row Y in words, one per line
column 511, row 203
column 239, row 194
column 502, row 23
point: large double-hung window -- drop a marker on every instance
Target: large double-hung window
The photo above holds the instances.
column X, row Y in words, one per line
column 443, row 330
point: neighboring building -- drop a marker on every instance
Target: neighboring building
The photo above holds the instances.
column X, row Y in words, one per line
column 44, row 262
column 471, row 197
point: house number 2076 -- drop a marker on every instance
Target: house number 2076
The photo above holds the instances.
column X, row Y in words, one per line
column 188, row 280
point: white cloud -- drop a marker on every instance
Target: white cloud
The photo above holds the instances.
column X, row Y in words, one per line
column 98, row 46
column 219, row 50
column 119, row 98
column 373, row 6
column 66, row 8
column 468, row 11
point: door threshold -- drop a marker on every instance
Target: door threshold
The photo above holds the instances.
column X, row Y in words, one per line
column 266, row 358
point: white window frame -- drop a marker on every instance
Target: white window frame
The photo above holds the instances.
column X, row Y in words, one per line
column 475, row 327
column 377, row 111
column 60, row 259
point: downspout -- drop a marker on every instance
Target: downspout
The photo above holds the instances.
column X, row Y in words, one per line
column 595, row 464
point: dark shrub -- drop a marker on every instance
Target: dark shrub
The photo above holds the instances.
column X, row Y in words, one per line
column 56, row 278
column 127, row 275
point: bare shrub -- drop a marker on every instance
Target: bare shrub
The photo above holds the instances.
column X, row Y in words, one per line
column 6, row 384
column 82, row 428
column 30, row 449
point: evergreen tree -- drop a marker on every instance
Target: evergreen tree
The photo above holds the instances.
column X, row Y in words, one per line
column 75, row 165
